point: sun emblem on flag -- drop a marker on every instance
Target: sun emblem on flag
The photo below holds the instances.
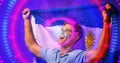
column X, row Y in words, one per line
column 89, row 39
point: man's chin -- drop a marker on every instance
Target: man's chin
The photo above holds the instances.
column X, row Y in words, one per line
column 62, row 44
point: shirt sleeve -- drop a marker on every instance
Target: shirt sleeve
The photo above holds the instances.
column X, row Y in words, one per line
column 80, row 57
column 46, row 53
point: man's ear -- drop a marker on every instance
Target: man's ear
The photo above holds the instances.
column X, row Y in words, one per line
column 77, row 37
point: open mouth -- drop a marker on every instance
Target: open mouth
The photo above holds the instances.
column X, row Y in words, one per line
column 61, row 37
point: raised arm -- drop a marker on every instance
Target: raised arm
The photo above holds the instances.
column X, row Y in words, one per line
column 105, row 38
column 29, row 38
column 94, row 55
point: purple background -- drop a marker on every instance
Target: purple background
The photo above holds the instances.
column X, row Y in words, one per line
column 12, row 46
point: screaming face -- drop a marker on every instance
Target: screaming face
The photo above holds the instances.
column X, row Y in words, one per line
column 68, row 36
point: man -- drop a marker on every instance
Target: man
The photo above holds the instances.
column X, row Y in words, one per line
column 70, row 35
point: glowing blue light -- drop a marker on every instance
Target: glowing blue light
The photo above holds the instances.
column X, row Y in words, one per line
column 9, row 8
column 112, row 50
column 115, row 25
column 115, row 37
column 6, row 17
column 116, row 31
column 10, row 5
column 5, row 23
column 9, row 53
column 5, row 41
column 114, row 40
column 7, row 48
column 7, row 12
column 4, row 38
column 4, row 32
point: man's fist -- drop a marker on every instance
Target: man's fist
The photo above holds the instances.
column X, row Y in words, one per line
column 106, row 18
column 104, row 13
column 26, row 13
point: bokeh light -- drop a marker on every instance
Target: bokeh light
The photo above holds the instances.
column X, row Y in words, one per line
column 12, row 46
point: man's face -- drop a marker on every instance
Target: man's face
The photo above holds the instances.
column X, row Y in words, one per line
column 67, row 35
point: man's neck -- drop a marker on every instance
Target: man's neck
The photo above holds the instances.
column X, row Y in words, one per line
column 65, row 50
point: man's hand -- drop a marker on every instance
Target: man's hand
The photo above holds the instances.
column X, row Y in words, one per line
column 106, row 18
column 104, row 13
column 26, row 13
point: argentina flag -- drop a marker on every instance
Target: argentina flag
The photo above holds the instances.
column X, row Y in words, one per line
column 47, row 24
